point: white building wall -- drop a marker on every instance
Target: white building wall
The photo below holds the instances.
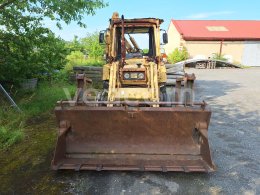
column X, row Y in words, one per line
column 233, row 50
column 251, row 53
column 174, row 39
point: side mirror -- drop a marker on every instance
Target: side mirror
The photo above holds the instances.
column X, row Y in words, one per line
column 101, row 37
column 165, row 38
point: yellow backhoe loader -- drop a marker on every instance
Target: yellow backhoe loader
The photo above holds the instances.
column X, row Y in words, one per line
column 132, row 125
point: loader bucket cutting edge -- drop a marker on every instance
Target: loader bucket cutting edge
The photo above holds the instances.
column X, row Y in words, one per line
column 141, row 139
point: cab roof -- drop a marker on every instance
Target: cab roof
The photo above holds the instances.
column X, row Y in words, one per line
column 133, row 21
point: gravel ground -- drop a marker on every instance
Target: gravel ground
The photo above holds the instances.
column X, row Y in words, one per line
column 234, row 139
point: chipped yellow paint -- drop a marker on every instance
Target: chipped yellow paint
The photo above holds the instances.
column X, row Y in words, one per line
column 155, row 70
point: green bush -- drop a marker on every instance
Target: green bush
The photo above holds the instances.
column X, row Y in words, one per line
column 85, row 52
column 178, row 55
column 77, row 58
column 217, row 56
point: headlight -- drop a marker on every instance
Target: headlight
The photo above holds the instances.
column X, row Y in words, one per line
column 126, row 76
column 141, row 76
column 134, row 75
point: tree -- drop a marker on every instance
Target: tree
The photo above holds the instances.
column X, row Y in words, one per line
column 92, row 47
column 27, row 48
column 85, row 52
column 30, row 54
column 65, row 10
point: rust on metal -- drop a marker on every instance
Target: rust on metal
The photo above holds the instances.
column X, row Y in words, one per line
column 125, row 103
column 191, row 77
column 153, row 138
column 178, row 89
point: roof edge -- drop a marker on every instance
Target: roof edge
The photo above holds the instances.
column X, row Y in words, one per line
column 186, row 38
column 177, row 26
column 217, row 20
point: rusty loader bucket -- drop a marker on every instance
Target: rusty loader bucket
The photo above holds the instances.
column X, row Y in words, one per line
column 127, row 137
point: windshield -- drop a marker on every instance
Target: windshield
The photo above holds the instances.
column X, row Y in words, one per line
column 139, row 42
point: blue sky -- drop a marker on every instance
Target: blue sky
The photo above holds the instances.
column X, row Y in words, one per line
column 164, row 9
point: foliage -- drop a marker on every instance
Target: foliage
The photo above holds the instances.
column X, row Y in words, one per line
column 178, row 55
column 85, row 52
column 11, row 127
column 75, row 45
column 77, row 58
column 9, row 137
column 57, row 10
column 217, row 56
column 27, row 48
column 92, row 47
column 44, row 98
column 241, row 65
column 88, row 45
column 32, row 104
column 30, row 54
column 145, row 51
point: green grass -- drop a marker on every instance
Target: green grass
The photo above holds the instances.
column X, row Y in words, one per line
column 45, row 97
column 33, row 104
column 243, row 66
column 8, row 137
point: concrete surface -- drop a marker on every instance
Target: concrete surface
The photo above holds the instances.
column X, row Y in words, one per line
column 234, row 134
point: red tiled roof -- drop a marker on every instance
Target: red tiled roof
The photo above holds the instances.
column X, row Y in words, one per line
column 218, row 29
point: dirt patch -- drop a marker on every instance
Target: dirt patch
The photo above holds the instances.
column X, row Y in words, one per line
column 37, row 120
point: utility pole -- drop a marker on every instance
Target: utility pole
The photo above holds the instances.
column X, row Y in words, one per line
column 220, row 49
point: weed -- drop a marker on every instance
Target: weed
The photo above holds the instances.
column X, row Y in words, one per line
column 32, row 103
column 9, row 137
